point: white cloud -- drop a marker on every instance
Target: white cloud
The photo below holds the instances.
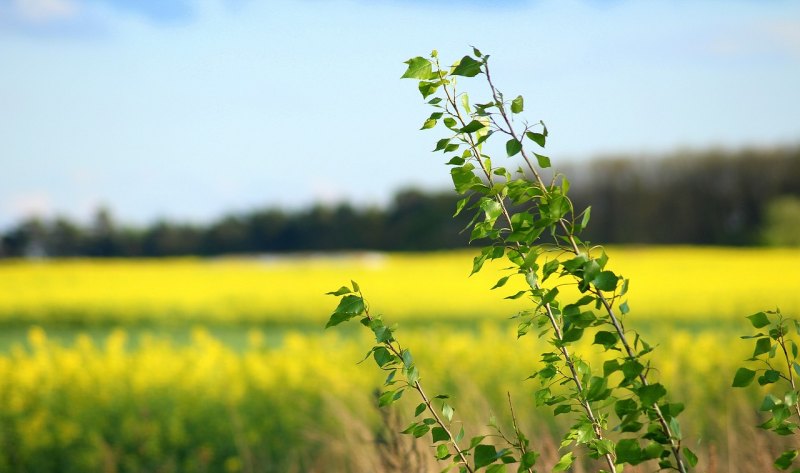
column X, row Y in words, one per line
column 42, row 11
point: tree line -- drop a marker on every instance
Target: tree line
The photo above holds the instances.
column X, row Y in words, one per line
column 709, row 198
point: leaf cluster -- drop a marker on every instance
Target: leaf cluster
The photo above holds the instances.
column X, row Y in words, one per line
column 774, row 366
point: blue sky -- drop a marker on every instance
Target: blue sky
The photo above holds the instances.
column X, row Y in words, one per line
column 190, row 108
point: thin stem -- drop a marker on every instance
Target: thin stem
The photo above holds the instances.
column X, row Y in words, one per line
column 522, row 448
column 674, row 445
column 476, row 153
column 418, row 387
column 782, row 343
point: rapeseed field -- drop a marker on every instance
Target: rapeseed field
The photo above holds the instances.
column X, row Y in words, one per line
column 289, row 397
column 667, row 283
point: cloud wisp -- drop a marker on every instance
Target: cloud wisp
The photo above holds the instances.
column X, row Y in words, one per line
column 86, row 17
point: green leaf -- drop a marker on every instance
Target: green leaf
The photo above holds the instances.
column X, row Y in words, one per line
column 785, row 460
column 339, row 292
column 427, row 89
column 606, row 281
column 649, row 395
column 467, row 67
column 629, row 451
column 572, row 334
column 349, row 307
column 625, row 407
column 691, row 458
column 439, row 434
column 465, row 103
column 429, row 123
column 517, row 104
column 607, row 339
column 763, row 345
column 564, row 463
column 759, row 320
column 562, row 409
column 597, row 389
column 675, row 428
column 472, row 127
column 769, row 377
column 420, row 430
column 447, row 411
column 769, row 403
column 743, row 377
column 407, row 358
column 544, row 161
column 442, row 452
column 418, row 68
column 513, row 146
column 537, row 138
column 484, row 455
column 528, row 460
column 382, row 356
column 501, row 282
column 420, row 409
column 463, row 178
column 624, row 308
column 497, row 468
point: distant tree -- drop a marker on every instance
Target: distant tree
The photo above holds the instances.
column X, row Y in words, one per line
column 782, row 223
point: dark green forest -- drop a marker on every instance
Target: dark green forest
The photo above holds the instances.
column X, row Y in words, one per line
column 746, row 197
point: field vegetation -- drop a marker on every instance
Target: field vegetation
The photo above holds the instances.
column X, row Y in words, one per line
column 162, row 385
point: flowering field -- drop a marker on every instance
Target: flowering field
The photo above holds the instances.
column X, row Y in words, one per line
column 693, row 285
column 287, row 397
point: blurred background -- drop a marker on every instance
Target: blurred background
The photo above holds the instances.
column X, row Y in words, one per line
column 182, row 180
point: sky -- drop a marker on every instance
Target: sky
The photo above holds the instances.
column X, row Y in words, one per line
column 188, row 109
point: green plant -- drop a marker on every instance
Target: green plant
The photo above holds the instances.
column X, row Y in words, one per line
column 531, row 223
column 775, row 362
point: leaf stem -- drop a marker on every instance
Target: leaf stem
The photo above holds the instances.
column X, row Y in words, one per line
column 674, row 445
column 418, row 387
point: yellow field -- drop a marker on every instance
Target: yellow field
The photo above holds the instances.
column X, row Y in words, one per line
column 292, row 399
column 305, row 406
column 667, row 283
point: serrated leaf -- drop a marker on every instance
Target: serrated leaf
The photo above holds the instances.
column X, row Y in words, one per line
column 418, row 68
column 517, row 104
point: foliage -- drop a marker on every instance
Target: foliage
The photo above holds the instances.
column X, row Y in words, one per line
column 204, row 405
column 533, row 226
column 782, row 222
column 775, row 359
